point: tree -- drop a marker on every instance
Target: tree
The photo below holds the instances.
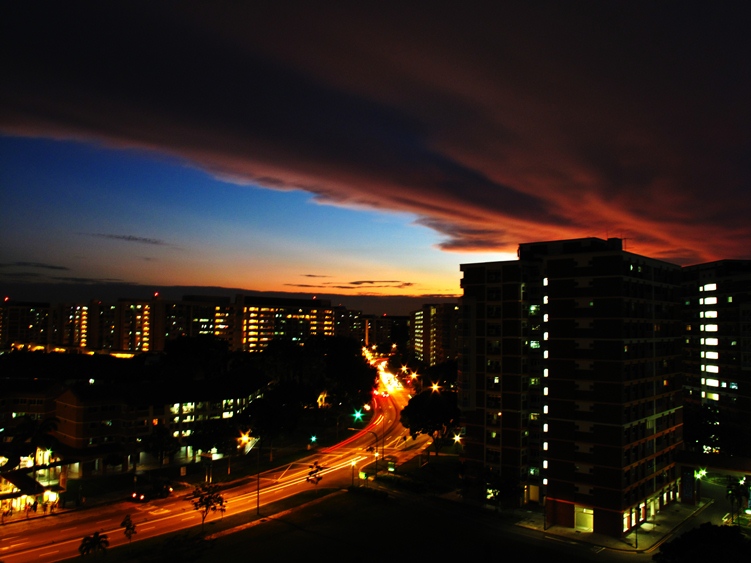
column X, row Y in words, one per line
column 434, row 413
column 96, row 543
column 207, row 498
column 129, row 527
column 705, row 543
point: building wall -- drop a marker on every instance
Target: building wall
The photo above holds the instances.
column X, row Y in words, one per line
column 717, row 355
column 570, row 378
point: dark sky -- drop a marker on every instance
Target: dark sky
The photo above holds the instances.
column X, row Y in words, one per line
column 488, row 124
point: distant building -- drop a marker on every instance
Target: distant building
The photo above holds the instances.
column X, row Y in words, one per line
column 25, row 322
column 133, row 326
column 717, row 356
column 569, row 381
column 434, row 333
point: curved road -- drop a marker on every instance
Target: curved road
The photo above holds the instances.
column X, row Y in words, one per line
column 46, row 540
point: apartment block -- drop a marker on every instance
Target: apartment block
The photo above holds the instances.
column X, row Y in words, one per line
column 434, row 333
column 132, row 326
column 569, row 381
column 717, row 352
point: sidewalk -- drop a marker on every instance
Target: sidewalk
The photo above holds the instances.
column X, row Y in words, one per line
column 647, row 538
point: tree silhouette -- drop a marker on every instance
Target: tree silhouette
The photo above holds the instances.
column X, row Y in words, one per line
column 129, row 527
column 94, row 544
column 434, row 413
column 206, row 498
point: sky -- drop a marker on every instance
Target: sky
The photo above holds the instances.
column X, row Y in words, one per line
column 363, row 149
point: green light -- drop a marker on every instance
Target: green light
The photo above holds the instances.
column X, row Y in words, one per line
column 358, row 415
column 313, row 438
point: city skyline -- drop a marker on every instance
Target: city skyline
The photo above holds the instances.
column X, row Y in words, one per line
column 353, row 151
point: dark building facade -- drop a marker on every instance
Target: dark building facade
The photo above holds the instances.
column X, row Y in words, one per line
column 569, row 377
column 717, row 357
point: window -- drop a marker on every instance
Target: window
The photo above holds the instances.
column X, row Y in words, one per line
column 710, row 287
column 710, row 300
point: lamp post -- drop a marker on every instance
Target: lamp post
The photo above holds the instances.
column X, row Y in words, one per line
column 258, row 482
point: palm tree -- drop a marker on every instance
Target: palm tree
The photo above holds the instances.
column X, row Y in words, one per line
column 96, row 543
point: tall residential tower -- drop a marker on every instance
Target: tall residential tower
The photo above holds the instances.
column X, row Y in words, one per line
column 569, row 366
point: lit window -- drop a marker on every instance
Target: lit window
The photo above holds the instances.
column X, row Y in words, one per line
column 711, row 342
column 545, row 372
column 544, row 463
column 544, row 281
column 712, row 383
column 545, row 299
column 710, row 287
column 545, row 408
column 545, row 481
column 712, row 355
column 545, row 427
column 545, row 354
column 545, row 391
column 545, row 318
column 710, row 314
column 545, row 446
column 713, row 396
column 713, row 369
column 710, row 300
column 545, row 335
column 709, row 328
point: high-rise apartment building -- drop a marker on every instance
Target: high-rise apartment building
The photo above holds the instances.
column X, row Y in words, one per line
column 433, row 333
column 717, row 356
column 133, row 326
column 569, row 371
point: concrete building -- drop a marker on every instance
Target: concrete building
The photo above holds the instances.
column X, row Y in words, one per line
column 569, row 381
column 717, row 357
column 434, row 333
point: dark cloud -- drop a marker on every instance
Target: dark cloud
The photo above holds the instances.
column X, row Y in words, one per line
column 494, row 123
column 354, row 285
column 127, row 238
column 34, row 265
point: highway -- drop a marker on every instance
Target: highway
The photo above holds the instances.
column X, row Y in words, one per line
column 46, row 540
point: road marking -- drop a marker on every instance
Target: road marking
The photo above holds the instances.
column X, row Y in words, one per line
column 49, row 553
column 101, row 521
column 188, row 518
column 159, row 511
column 17, row 544
column 149, row 528
column 68, row 529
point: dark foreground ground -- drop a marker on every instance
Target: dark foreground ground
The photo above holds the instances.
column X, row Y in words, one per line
column 340, row 525
column 375, row 523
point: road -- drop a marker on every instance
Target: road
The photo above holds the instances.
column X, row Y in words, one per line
column 47, row 540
